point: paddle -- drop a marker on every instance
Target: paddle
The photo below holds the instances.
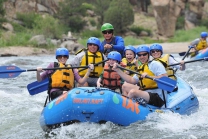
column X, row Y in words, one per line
column 14, row 71
column 38, row 87
column 164, row 83
column 184, row 54
column 190, row 61
column 95, row 64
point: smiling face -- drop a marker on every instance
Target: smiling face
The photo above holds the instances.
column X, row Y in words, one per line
column 129, row 55
column 156, row 53
column 93, row 48
column 111, row 62
column 143, row 57
column 62, row 59
column 107, row 34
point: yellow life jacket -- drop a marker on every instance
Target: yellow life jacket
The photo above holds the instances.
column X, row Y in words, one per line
column 111, row 78
column 146, row 83
column 129, row 65
column 165, row 61
column 92, row 58
column 62, row 78
column 201, row 45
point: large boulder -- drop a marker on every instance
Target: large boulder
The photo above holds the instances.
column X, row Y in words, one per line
column 166, row 13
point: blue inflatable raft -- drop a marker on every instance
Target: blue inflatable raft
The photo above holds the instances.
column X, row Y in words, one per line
column 202, row 53
column 89, row 104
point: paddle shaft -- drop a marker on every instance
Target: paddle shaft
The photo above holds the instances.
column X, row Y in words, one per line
column 187, row 53
column 95, row 64
column 188, row 61
column 135, row 72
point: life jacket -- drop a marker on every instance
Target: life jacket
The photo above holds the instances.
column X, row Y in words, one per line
column 146, row 83
column 201, row 45
column 165, row 61
column 111, row 78
column 92, row 58
column 61, row 78
column 129, row 65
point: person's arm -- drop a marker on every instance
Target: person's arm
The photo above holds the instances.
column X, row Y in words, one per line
column 77, row 59
column 182, row 66
column 195, row 42
column 84, row 79
column 119, row 46
column 158, row 69
column 99, row 82
column 41, row 76
column 124, row 76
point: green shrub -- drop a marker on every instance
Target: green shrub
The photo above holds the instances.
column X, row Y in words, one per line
column 28, row 19
column 19, row 28
column 91, row 33
column 120, row 17
column 49, row 27
column 19, row 39
column 87, row 6
column 204, row 22
column 187, row 35
column 180, row 22
column 92, row 22
column 138, row 30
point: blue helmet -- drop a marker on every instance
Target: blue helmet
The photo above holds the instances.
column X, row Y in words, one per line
column 130, row 47
column 203, row 34
column 95, row 41
column 156, row 46
column 115, row 56
column 61, row 52
column 142, row 48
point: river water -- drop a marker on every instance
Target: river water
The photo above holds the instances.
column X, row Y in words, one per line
column 20, row 112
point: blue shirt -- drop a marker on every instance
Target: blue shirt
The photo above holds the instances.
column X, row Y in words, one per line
column 118, row 45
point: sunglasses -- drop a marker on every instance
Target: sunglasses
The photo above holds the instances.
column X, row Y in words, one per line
column 154, row 51
column 108, row 31
column 64, row 56
column 139, row 55
column 92, row 44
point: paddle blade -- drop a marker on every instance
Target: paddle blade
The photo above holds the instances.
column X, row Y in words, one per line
column 166, row 83
column 182, row 53
column 10, row 71
column 37, row 87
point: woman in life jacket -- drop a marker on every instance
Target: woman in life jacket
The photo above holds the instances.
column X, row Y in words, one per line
column 109, row 78
column 61, row 80
column 156, row 51
column 199, row 44
column 130, row 61
column 148, row 91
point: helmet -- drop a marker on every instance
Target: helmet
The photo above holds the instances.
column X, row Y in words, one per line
column 156, row 46
column 130, row 47
column 107, row 26
column 142, row 48
column 62, row 51
column 115, row 56
column 203, row 34
column 95, row 41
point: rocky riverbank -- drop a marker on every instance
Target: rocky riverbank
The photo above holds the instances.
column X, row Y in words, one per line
column 169, row 48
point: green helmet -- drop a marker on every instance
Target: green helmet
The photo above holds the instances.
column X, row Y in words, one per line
column 107, row 26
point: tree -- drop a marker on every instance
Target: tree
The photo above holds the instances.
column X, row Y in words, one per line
column 2, row 11
column 71, row 12
column 100, row 6
column 120, row 15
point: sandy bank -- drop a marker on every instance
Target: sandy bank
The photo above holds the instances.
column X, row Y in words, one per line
column 168, row 48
